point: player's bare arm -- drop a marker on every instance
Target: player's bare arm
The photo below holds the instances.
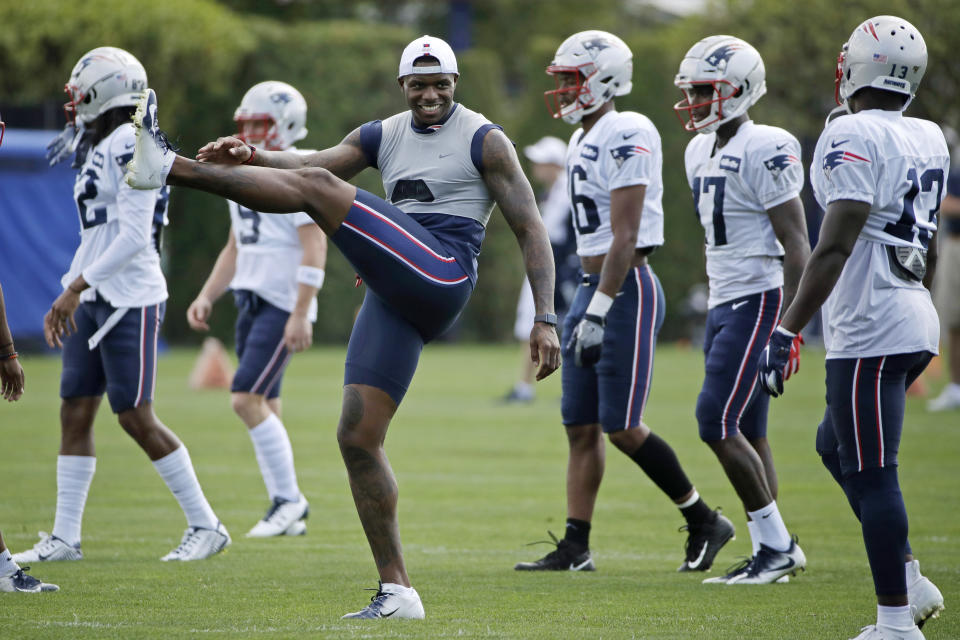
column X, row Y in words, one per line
column 11, row 373
column 345, row 160
column 198, row 313
column 298, row 332
column 838, row 234
column 790, row 227
column 626, row 207
column 513, row 194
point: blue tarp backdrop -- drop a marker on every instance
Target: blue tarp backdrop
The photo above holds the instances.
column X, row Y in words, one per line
column 39, row 229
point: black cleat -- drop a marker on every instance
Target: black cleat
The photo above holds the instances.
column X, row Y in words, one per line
column 704, row 541
column 568, row 556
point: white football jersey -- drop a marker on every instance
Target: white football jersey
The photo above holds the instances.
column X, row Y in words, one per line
column 620, row 150
column 899, row 166
column 733, row 187
column 268, row 254
column 118, row 254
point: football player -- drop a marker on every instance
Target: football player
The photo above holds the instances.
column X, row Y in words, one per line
column 614, row 165
column 274, row 265
column 746, row 180
column 107, row 320
column 443, row 167
column 880, row 176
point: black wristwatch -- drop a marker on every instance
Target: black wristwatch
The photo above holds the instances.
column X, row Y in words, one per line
column 546, row 318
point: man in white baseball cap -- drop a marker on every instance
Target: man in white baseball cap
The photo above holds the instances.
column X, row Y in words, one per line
column 443, row 168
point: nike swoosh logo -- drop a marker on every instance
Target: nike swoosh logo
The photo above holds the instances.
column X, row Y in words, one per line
column 619, row 293
column 696, row 563
column 444, row 155
column 735, row 306
column 130, row 146
column 834, row 145
column 387, row 615
column 577, row 567
column 765, row 516
column 789, row 565
column 781, row 146
column 627, row 136
column 41, row 558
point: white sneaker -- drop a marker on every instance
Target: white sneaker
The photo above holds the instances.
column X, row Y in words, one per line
column 948, row 400
column 770, row 565
column 49, row 549
column 284, row 518
column 391, row 601
column 883, row 632
column 21, row 582
column 152, row 154
column 926, row 601
column 198, row 544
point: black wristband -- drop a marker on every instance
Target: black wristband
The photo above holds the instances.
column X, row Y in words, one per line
column 602, row 321
column 546, row 318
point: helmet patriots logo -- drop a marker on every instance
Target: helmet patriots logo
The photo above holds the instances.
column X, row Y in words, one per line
column 722, row 54
column 621, row 154
column 595, row 46
column 777, row 164
column 281, row 98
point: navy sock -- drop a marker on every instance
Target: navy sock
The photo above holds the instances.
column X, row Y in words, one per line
column 883, row 518
column 578, row 532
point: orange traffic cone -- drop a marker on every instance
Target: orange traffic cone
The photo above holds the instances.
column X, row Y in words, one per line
column 213, row 369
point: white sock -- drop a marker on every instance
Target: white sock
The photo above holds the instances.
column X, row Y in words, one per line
column 275, row 457
column 896, row 617
column 770, row 528
column 7, row 566
column 754, row 537
column 74, row 475
column 177, row 471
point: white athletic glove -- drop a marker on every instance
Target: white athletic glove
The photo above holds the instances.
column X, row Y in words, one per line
column 588, row 340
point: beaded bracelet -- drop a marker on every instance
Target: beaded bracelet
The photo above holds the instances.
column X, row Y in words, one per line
column 253, row 152
column 9, row 356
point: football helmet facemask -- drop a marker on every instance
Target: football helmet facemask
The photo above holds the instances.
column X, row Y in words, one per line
column 103, row 78
column 735, row 71
column 885, row 52
column 281, row 106
column 602, row 65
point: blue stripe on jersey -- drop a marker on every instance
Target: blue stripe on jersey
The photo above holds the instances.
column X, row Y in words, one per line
column 370, row 135
column 476, row 145
column 460, row 236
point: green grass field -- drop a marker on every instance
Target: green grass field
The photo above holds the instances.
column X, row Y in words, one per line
column 477, row 481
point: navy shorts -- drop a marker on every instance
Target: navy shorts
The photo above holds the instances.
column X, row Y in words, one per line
column 124, row 363
column 730, row 401
column 614, row 391
column 865, row 404
column 416, row 290
column 259, row 337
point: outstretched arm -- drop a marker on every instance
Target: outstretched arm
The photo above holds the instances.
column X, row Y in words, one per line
column 513, row 194
column 344, row 160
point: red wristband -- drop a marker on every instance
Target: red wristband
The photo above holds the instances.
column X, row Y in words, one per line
column 9, row 356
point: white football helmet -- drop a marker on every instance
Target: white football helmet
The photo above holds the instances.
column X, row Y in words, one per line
column 282, row 106
column 735, row 71
column 604, row 67
column 885, row 52
column 104, row 78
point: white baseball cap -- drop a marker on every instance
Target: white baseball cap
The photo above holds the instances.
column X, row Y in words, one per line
column 547, row 150
column 427, row 46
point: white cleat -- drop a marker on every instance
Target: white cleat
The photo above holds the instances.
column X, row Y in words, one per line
column 20, row 582
column 152, row 155
column 198, row 544
column 49, row 549
column 883, row 632
column 391, row 601
column 284, row 518
column 926, row 601
column 948, row 400
column 769, row 565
